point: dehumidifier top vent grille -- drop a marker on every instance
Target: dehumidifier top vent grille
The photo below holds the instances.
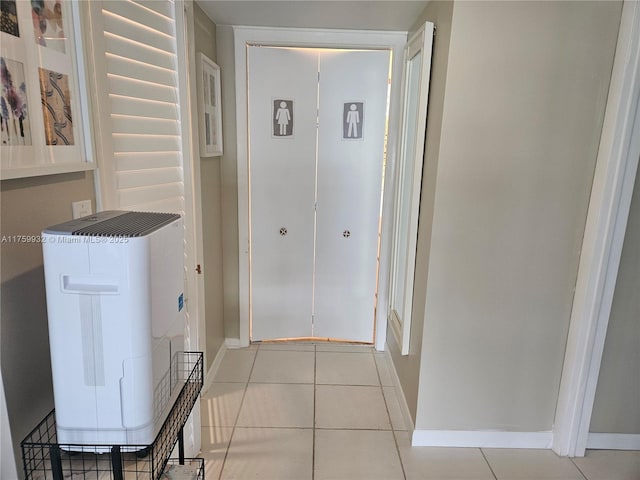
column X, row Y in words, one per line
column 130, row 224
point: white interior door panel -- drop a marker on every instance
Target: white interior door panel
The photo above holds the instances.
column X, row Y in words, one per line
column 349, row 183
column 282, row 143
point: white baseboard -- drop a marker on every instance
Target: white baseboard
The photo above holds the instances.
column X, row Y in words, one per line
column 406, row 414
column 232, row 343
column 211, row 373
column 481, row 439
column 613, row 441
column 456, row 438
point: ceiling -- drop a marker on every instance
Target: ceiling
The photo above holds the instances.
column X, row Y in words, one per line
column 341, row 14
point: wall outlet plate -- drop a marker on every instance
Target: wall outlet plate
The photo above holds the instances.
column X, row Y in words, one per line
column 81, row 208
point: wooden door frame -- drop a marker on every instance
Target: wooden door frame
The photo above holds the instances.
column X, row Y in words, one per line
column 315, row 38
column 605, row 229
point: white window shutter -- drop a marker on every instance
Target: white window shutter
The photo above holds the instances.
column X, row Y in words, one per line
column 138, row 116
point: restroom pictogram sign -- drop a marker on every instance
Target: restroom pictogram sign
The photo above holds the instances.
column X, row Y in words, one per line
column 353, row 120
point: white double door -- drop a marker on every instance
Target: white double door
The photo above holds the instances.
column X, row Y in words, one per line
column 317, row 122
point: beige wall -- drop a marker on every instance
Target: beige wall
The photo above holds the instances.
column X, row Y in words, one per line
column 211, row 197
column 229, row 178
column 525, row 93
column 27, row 207
column 618, row 393
column 408, row 367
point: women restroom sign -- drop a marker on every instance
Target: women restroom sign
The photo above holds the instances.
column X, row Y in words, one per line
column 282, row 118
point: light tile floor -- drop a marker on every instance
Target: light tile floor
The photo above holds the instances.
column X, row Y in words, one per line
column 330, row 412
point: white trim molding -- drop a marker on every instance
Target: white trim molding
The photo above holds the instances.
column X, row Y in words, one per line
column 408, row 183
column 213, row 369
column 613, row 441
column 611, row 193
column 481, row 439
column 231, row 343
column 402, row 401
column 195, row 338
column 312, row 38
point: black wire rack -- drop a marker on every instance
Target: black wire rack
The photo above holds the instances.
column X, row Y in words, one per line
column 45, row 459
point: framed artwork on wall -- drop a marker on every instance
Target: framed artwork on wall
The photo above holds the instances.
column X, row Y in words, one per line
column 209, row 109
column 43, row 97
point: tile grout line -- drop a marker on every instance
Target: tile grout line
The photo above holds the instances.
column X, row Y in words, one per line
column 291, row 427
column 233, row 431
column 578, row 468
column 343, row 352
column 280, row 382
column 384, row 399
column 488, row 464
column 313, row 431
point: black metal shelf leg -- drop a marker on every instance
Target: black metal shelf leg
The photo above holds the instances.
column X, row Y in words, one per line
column 56, row 462
column 181, row 446
column 116, row 463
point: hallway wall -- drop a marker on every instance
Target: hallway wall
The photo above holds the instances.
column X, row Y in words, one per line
column 408, row 367
column 618, row 393
column 211, row 193
column 229, row 181
column 524, row 100
column 27, row 206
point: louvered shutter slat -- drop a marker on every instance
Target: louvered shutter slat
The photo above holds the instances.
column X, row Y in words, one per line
column 137, row 196
column 170, row 205
column 142, row 108
column 145, row 143
column 139, row 70
column 148, row 160
column 125, row 28
column 140, row 14
column 146, row 90
column 143, row 125
column 162, row 8
column 144, row 178
column 129, row 49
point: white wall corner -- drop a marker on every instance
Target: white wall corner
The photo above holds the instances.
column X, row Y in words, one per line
column 402, row 401
column 192, row 434
column 481, row 439
column 231, row 343
column 603, row 239
column 215, row 365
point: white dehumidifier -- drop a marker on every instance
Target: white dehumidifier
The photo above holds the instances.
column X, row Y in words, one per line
column 114, row 284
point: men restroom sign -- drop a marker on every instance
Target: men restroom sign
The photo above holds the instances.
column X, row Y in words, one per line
column 282, row 118
column 352, row 120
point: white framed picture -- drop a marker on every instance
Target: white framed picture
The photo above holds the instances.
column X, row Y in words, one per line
column 42, row 93
column 209, row 109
